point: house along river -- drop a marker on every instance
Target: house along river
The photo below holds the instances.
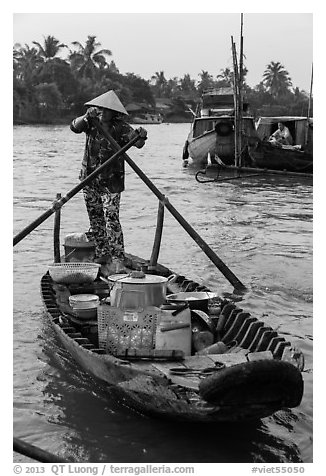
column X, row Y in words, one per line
column 260, row 227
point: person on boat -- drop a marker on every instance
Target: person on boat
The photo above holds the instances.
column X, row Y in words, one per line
column 281, row 136
column 102, row 195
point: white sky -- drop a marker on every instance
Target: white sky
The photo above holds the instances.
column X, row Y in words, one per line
column 180, row 43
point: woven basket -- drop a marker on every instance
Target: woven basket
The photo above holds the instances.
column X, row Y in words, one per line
column 71, row 273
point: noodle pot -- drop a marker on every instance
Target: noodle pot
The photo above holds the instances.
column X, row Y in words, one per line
column 137, row 290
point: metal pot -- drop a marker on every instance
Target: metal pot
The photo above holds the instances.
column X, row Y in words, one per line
column 84, row 305
column 196, row 300
column 137, row 290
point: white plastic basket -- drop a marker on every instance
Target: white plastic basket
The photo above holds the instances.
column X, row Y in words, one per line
column 119, row 330
column 71, row 273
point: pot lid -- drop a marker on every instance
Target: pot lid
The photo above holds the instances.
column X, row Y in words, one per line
column 83, row 298
column 138, row 278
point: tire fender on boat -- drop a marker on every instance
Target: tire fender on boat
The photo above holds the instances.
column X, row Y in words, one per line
column 185, row 151
column 224, row 128
column 257, row 382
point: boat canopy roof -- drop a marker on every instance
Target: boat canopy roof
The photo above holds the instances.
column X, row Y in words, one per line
column 218, row 116
column 275, row 119
column 226, row 91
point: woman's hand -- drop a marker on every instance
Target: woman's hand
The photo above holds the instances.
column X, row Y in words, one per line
column 142, row 132
column 142, row 137
column 91, row 112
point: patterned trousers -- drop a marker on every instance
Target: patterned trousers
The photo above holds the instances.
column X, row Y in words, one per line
column 105, row 228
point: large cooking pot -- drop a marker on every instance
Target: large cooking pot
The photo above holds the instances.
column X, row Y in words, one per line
column 137, row 290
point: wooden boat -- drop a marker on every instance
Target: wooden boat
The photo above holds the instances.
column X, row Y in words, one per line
column 213, row 129
column 146, row 118
column 258, row 373
column 293, row 158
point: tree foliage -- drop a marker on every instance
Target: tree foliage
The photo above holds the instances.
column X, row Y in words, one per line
column 276, row 79
column 49, row 87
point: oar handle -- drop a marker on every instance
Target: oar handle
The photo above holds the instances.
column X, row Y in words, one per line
column 164, row 200
column 33, row 452
column 59, row 203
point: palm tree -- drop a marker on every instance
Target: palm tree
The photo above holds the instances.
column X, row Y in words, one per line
column 160, row 83
column 87, row 60
column 50, row 49
column 206, row 81
column 53, row 69
column 187, row 84
column 276, row 79
column 225, row 77
column 26, row 63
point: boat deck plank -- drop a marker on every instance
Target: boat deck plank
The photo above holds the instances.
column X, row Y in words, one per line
column 229, row 359
column 197, row 362
column 189, row 381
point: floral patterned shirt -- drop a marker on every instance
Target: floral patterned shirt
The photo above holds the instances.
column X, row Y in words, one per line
column 98, row 149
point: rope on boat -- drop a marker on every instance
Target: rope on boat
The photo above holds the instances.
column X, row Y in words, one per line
column 203, row 172
column 226, row 179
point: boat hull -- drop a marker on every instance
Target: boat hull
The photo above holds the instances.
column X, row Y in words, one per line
column 218, row 141
column 147, row 386
column 267, row 156
column 147, row 119
column 200, row 148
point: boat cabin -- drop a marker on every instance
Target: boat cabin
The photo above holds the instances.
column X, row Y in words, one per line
column 301, row 129
column 219, row 101
column 223, row 125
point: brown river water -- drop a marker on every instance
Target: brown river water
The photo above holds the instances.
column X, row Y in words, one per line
column 261, row 227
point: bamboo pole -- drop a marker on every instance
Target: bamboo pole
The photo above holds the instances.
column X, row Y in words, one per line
column 236, row 103
column 309, row 106
column 227, row 273
column 158, row 237
column 240, row 100
column 59, row 203
column 56, row 232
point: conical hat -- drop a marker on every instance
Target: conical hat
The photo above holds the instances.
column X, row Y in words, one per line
column 109, row 100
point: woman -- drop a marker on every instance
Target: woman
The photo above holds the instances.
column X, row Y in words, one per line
column 102, row 195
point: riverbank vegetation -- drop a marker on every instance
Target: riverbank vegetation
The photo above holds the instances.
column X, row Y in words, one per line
column 52, row 81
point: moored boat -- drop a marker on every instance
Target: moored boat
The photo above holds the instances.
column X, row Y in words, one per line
column 294, row 158
column 212, row 132
column 146, row 118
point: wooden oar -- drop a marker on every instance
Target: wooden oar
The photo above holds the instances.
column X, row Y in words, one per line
column 158, row 237
column 227, row 273
column 59, row 203
column 33, row 452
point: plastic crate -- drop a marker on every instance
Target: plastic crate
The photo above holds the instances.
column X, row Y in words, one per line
column 120, row 330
